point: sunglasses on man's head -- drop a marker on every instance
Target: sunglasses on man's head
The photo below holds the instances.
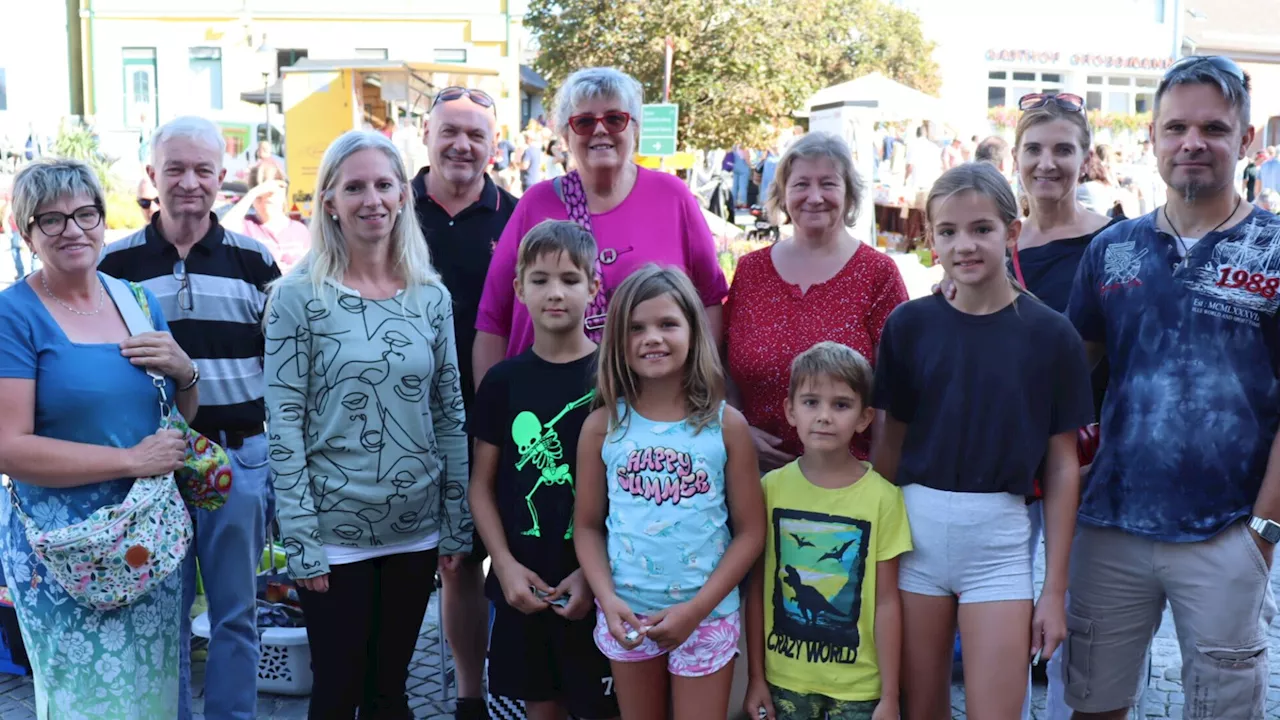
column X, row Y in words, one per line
column 1066, row 101
column 1225, row 64
column 614, row 121
column 449, row 94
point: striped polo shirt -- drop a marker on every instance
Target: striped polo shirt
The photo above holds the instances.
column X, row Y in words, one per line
column 222, row 330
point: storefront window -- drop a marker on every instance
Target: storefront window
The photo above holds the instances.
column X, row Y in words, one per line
column 1120, row 93
column 1005, row 87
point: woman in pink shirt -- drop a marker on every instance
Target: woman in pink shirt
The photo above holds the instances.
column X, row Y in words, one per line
column 637, row 216
column 270, row 223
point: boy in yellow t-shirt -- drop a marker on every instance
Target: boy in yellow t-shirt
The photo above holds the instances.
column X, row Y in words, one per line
column 824, row 618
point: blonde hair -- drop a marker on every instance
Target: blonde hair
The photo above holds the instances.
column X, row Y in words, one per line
column 49, row 180
column 982, row 178
column 838, row 362
column 328, row 258
column 811, row 147
column 703, row 374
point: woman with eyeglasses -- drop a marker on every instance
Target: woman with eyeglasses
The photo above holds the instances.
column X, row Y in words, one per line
column 368, row 453
column 80, row 423
column 637, row 215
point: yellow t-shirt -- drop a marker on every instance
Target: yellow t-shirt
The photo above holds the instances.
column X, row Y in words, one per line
column 820, row 580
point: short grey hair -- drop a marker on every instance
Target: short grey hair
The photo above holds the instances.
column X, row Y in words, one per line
column 812, row 146
column 597, row 82
column 1206, row 73
column 191, row 127
column 46, row 181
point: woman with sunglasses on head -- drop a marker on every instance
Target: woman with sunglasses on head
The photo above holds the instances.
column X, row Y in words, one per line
column 637, row 216
column 1052, row 149
column 81, row 422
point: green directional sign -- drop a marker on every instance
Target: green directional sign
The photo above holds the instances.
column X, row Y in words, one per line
column 658, row 130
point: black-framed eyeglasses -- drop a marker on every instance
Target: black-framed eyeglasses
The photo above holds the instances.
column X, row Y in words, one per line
column 454, row 92
column 54, row 223
column 1225, row 64
column 146, row 203
column 186, row 300
column 1067, row 101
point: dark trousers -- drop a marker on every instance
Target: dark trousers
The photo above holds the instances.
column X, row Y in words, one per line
column 362, row 634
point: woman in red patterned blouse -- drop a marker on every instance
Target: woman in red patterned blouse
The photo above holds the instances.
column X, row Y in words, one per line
column 820, row 284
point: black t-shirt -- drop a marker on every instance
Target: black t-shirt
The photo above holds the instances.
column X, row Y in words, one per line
column 461, row 248
column 980, row 394
column 1050, row 271
column 533, row 411
column 1251, row 182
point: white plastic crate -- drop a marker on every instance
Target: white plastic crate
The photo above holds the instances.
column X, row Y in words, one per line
column 284, row 666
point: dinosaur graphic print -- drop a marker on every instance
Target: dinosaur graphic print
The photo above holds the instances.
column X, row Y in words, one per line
column 538, row 443
column 817, row 589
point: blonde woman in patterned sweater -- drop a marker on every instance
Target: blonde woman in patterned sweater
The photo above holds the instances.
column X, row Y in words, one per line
column 368, row 451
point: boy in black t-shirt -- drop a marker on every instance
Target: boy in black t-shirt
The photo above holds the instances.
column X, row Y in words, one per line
column 525, row 421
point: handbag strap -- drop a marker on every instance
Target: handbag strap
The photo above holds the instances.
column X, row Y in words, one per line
column 138, row 322
column 571, row 192
column 1017, row 268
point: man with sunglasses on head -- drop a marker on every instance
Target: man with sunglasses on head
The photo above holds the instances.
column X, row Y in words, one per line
column 212, row 285
column 1182, row 501
column 462, row 213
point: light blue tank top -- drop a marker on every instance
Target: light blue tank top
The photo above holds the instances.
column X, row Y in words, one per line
column 668, row 519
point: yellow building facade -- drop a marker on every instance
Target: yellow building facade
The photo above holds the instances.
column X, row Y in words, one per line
column 146, row 61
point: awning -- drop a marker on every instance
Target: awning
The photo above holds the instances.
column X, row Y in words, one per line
column 531, row 82
column 256, row 97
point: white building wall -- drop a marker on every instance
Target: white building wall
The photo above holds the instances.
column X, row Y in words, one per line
column 1068, row 42
column 33, row 56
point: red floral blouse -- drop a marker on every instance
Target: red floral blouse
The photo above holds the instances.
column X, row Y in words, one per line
column 768, row 322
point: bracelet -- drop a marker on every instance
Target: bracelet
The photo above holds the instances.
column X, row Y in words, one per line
column 195, row 378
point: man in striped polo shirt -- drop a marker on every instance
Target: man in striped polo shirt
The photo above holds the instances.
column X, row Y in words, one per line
column 212, row 286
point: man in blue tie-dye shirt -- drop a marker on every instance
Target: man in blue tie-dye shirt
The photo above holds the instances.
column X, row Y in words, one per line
column 1181, row 502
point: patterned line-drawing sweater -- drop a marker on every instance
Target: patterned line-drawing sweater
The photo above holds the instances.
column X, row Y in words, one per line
column 366, row 421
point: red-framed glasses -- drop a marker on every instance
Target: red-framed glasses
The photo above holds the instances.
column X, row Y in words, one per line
column 1066, row 101
column 614, row 121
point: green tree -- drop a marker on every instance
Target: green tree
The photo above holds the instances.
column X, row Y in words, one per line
column 739, row 66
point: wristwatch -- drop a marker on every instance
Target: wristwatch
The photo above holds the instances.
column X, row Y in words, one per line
column 1268, row 529
column 195, row 378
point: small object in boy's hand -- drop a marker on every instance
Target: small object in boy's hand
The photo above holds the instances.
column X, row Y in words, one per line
column 561, row 601
column 633, row 636
column 1036, row 660
column 762, row 713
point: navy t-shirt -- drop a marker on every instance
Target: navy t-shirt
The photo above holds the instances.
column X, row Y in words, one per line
column 980, row 394
column 1194, row 401
column 533, row 410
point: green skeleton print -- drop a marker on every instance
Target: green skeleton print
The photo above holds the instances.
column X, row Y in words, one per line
column 538, row 443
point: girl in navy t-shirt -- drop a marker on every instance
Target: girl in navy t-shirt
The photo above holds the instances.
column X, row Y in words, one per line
column 975, row 392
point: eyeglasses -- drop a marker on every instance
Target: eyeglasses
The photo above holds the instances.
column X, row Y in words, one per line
column 449, row 94
column 615, row 121
column 55, row 223
column 1066, row 101
column 184, row 286
column 1225, row 64
column 146, row 203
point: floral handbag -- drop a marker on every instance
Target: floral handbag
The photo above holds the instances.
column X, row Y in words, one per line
column 205, row 478
column 120, row 552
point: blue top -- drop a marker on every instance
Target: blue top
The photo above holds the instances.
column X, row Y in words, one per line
column 668, row 523
column 84, row 393
column 767, row 172
column 1192, row 408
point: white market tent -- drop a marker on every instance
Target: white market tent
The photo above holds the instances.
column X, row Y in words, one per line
column 886, row 99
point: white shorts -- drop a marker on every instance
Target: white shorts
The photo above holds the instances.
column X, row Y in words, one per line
column 971, row 545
